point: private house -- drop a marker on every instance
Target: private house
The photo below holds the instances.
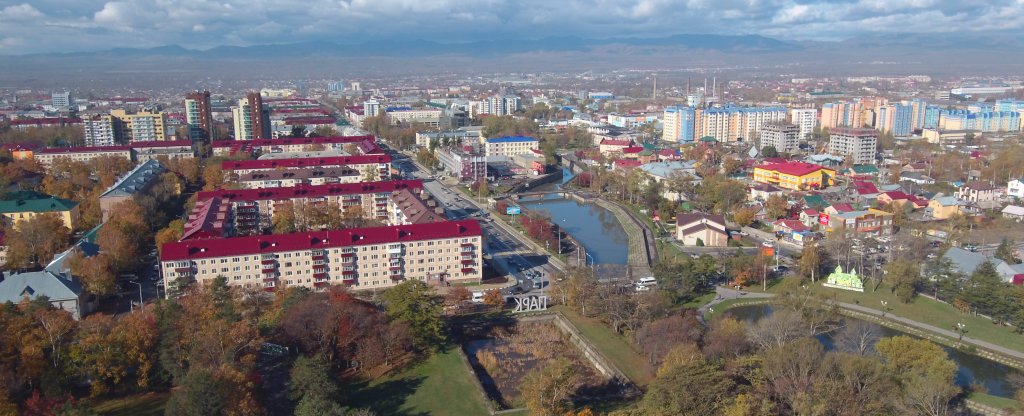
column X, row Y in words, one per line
column 916, row 177
column 1013, row 212
column 809, row 217
column 947, row 206
column 873, row 222
column 763, row 191
column 901, row 198
column 982, row 194
column 699, row 229
column 966, row 262
column 1015, row 188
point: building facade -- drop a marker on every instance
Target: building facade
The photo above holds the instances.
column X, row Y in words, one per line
column 510, row 146
column 252, row 119
column 795, row 176
column 861, row 145
column 142, row 126
column 102, row 130
column 783, row 137
column 679, row 124
column 361, row 258
column 805, row 119
column 842, row 114
column 733, row 124
column 199, row 116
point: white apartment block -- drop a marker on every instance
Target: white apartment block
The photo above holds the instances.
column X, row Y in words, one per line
column 805, row 119
column 783, row 137
column 510, row 146
column 859, row 144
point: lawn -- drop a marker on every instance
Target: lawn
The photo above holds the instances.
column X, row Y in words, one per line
column 729, row 303
column 931, row 312
column 145, row 404
column 617, row 349
column 700, row 300
column 994, row 401
column 439, row 385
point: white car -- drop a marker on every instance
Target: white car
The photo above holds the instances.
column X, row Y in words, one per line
column 641, row 288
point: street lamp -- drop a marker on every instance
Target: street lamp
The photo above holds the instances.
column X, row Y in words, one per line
column 140, row 293
column 885, row 308
column 961, row 329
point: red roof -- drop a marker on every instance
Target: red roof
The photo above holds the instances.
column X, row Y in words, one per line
column 298, row 121
column 309, row 191
column 165, row 143
column 843, row 207
column 83, row 149
column 772, row 160
column 369, row 147
column 811, row 212
column 792, row 225
column 791, row 168
column 611, row 142
column 46, row 121
column 633, row 149
column 305, row 162
column 627, row 163
column 208, row 219
column 896, row 195
column 294, row 141
column 240, row 246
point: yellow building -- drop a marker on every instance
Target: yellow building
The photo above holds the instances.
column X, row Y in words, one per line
column 24, row 205
column 796, row 176
column 143, row 126
column 945, row 207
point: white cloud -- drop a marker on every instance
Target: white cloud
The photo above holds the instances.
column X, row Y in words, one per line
column 92, row 24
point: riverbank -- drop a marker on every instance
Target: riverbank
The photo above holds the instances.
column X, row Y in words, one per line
column 639, row 256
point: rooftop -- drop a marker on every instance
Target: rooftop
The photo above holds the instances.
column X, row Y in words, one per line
column 289, row 141
column 512, row 139
column 309, row 191
column 221, row 247
column 32, row 201
column 136, row 179
column 305, row 162
column 792, row 168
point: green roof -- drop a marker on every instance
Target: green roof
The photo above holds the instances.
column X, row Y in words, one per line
column 864, row 169
column 815, row 201
column 31, row 201
column 708, row 139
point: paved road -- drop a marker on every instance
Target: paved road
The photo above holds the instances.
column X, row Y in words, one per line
column 726, row 294
column 509, row 253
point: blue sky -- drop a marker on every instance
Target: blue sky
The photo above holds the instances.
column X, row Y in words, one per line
column 75, row 25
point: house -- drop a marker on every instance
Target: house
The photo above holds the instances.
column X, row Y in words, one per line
column 916, row 177
column 62, row 290
column 661, row 171
column 632, row 152
column 138, row 181
column 900, row 198
column 826, row 160
column 794, row 176
column 699, row 229
column 864, row 190
column 980, row 193
column 1013, row 212
column 1015, row 188
column 868, row 171
column 872, row 222
column 793, row 231
column 23, row 205
column 947, row 206
column 625, row 164
column 609, row 146
column 763, row 191
column 966, row 262
column 838, row 208
column 809, row 217
column 815, row 201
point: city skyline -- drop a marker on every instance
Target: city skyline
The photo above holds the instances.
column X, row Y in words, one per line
column 60, row 26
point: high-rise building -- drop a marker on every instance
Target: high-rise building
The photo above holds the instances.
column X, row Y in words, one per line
column 842, row 114
column 142, row 126
column 372, row 108
column 931, row 117
column 199, row 116
column 805, row 119
column 783, row 137
column 895, row 119
column 61, row 99
column 679, row 124
column 733, row 124
column 918, row 113
column 985, row 122
column 335, row 86
column 252, row 119
column 102, row 130
column 860, row 145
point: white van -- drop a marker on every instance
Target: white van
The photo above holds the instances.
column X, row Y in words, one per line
column 647, row 281
column 478, row 297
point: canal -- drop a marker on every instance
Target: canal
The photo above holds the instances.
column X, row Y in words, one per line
column 596, row 228
column 971, row 369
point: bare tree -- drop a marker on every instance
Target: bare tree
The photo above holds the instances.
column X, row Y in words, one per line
column 777, row 329
column 857, row 337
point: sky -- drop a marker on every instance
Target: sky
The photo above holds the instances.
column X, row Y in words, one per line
column 41, row 26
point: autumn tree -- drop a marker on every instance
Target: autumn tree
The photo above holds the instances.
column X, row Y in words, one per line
column 810, row 263
column 726, row 339
column 108, row 348
column 548, row 389
column 694, row 388
column 33, row 242
column 370, row 174
column 169, row 234
column 197, row 395
column 777, row 206
column 457, row 296
column 924, row 372
column 125, row 236
column 904, row 276
column 744, row 216
column 97, row 273
column 213, row 176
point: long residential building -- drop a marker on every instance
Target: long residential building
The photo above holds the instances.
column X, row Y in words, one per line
column 733, row 124
column 297, row 177
column 679, row 124
column 142, row 126
column 842, row 114
column 361, row 162
column 361, row 258
column 286, row 145
column 510, row 146
column 138, row 152
column 254, row 208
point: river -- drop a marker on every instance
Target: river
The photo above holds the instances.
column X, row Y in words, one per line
column 971, row 369
column 595, row 227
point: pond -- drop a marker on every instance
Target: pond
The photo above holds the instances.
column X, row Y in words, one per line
column 971, row 369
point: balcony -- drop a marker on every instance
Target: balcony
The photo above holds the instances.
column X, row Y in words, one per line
column 470, row 245
column 347, row 273
column 269, row 289
column 319, row 257
column 269, row 271
column 320, row 276
column 468, row 256
column 183, row 269
column 268, row 266
column 267, row 261
column 468, row 262
column 269, row 279
column 321, row 284
column 347, row 255
column 467, row 249
column 395, row 249
column 466, row 270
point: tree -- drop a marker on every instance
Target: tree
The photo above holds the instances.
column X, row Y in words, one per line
column 726, row 339
column 311, row 376
column 769, row 151
column 413, row 303
column 790, row 370
column 695, row 388
column 744, row 216
column 1005, row 251
column 97, row 273
column 659, row 337
column 810, row 261
column 482, row 190
column 213, row 176
column 457, row 296
column 777, row 329
column 494, row 299
column 857, row 337
column 197, row 395
column 125, row 235
column 169, row 234
column 904, row 276
column 33, row 242
column 548, row 389
column 777, row 206
column 924, row 372
column 370, row 174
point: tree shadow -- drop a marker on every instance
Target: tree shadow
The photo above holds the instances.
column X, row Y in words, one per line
column 386, row 398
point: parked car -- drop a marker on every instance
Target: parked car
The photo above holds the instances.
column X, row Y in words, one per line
column 641, row 288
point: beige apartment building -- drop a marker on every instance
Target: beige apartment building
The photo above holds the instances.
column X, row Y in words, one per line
column 360, row 259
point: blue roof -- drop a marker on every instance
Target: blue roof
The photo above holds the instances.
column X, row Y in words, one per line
column 512, row 139
column 390, row 109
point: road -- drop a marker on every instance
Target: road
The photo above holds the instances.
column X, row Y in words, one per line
column 507, row 251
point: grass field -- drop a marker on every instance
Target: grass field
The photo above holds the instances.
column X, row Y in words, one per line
column 617, row 349
column 931, row 312
column 440, row 385
column 146, row 404
column 995, row 401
